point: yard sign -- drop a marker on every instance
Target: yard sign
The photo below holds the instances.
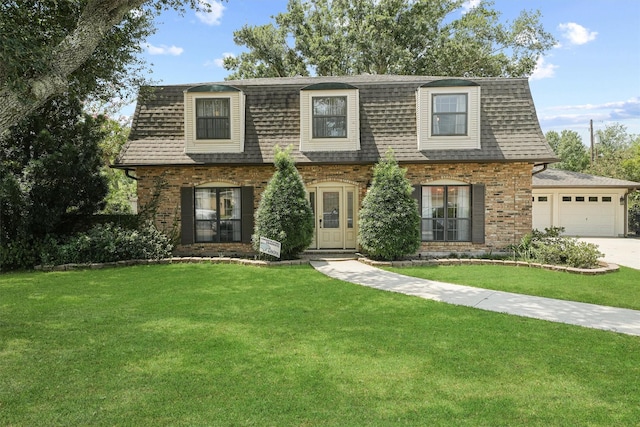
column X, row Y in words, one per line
column 270, row 247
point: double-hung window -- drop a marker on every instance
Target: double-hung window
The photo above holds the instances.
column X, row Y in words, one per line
column 218, row 215
column 329, row 116
column 449, row 114
column 446, row 213
column 213, row 118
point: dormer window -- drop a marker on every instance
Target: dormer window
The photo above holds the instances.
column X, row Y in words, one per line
column 213, row 118
column 448, row 115
column 329, row 118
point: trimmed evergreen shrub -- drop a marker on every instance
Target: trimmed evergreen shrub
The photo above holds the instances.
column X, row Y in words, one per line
column 389, row 217
column 284, row 213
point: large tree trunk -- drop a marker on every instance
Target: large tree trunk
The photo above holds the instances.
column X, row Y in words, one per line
column 97, row 18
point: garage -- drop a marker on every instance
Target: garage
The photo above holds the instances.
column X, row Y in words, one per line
column 585, row 205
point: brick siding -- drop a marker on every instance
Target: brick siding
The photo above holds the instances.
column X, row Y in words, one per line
column 507, row 196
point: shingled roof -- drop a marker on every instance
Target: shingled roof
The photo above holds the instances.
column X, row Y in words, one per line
column 556, row 178
column 510, row 131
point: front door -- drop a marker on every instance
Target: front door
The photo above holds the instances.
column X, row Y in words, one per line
column 334, row 208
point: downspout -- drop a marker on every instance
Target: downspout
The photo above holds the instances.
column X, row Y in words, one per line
column 127, row 173
column 544, row 168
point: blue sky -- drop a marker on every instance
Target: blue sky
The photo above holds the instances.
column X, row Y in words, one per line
column 593, row 72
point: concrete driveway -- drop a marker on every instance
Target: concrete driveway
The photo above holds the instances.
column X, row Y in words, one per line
column 621, row 251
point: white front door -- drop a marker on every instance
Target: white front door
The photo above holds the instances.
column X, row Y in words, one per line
column 335, row 216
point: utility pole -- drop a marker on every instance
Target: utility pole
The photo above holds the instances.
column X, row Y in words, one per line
column 592, row 144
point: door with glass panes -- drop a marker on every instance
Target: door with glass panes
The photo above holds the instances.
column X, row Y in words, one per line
column 334, row 212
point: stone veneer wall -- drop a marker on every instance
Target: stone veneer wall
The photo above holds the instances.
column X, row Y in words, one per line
column 507, row 196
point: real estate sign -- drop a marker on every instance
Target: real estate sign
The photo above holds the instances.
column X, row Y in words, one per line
column 270, row 247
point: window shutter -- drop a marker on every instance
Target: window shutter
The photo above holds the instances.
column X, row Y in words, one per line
column 247, row 214
column 186, row 216
column 417, row 194
column 477, row 213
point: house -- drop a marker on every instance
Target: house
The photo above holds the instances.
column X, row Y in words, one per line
column 585, row 205
column 203, row 154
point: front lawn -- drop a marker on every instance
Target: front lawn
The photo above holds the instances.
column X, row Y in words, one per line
column 197, row 344
column 619, row 289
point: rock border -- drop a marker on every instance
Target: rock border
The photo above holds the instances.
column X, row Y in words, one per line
column 604, row 268
column 172, row 260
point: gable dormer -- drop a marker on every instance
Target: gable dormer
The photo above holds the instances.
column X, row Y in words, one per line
column 329, row 117
column 448, row 115
column 214, row 119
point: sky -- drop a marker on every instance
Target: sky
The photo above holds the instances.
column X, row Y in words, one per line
column 593, row 73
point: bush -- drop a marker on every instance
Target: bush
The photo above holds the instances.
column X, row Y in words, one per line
column 284, row 213
column 389, row 218
column 550, row 247
column 109, row 243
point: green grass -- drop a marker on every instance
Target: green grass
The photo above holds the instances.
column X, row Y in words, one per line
column 619, row 289
column 231, row 345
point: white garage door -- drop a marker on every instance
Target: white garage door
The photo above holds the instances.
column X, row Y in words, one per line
column 587, row 215
column 542, row 210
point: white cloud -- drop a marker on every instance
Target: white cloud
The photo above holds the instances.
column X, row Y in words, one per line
column 213, row 14
column 219, row 62
column 576, row 34
column 543, row 70
column 469, row 4
column 163, row 49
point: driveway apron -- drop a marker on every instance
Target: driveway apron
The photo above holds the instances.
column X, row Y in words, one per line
column 575, row 313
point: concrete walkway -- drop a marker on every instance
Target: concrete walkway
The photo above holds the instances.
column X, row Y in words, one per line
column 575, row 313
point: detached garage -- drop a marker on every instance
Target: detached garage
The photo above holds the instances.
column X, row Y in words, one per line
column 585, row 205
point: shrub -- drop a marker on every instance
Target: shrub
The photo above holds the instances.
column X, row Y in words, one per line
column 109, row 243
column 389, row 218
column 284, row 213
column 550, row 247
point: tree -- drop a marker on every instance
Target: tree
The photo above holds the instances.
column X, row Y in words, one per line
column 52, row 47
column 121, row 188
column 53, row 158
column 613, row 150
column 343, row 37
column 284, row 213
column 389, row 218
column 569, row 148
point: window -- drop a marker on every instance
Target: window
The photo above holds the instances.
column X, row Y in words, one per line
column 566, row 198
column 579, row 198
column 446, row 213
column 213, row 118
column 217, row 212
column 543, row 199
column 449, row 114
column 593, row 198
column 606, row 199
column 329, row 116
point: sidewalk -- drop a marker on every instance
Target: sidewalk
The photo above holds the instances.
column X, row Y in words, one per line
column 620, row 320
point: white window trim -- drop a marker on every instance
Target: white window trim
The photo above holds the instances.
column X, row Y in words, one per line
column 424, row 103
column 234, row 144
column 350, row 143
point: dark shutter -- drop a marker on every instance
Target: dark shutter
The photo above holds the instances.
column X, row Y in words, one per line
column 477, row 213
column 417, row 194
column 247, row 214
column 187, row 217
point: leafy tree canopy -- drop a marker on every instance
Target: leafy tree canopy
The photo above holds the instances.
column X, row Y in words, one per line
column 569, row 148
column 429, row 37
column 51, row 47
